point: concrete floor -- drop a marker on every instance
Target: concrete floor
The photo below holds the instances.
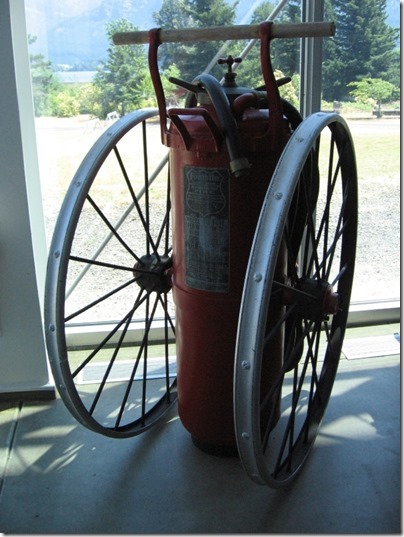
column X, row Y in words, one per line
column 58, row 477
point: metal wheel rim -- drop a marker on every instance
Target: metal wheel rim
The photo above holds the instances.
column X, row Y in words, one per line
column 256, row 296
column 56, row 276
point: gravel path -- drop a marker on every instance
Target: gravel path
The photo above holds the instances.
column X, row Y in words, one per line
column 378, row 257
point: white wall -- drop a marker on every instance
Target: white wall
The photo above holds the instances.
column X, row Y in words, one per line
column 23, row 363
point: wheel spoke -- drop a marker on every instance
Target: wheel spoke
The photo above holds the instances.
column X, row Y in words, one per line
column 296, row 350
column 146, row 185
column 314, row 383
column 275, row 328
column 275, row 393
column 164, row 232
column 289, row 436
column 289, row 359
column 96, row 263
column 108, row 337
column 99, row 300
column 323, row 228
column 125, row 214
column 167, row 318
column 167, row 244
column 111, row 227
column 314, row 238
column 330, row 188
column 339, row 275
column 311, row 262
column 143, row 219
column 112, row 361
column 142, row 352
column 292, row 255
column 145, row 359
column 340, row 227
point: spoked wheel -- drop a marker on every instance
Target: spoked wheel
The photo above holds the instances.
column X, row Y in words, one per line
column 108, row 310
column 295, row 301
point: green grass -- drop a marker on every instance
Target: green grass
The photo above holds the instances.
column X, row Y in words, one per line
column 378, row 156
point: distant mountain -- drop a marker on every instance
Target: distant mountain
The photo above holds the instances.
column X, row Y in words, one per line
column 71, row 34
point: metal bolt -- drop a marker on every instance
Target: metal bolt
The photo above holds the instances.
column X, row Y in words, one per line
column 52, row 327
column 245, row 436
column 56, row 254
column 245, row 364
column 278, row 196
column 257, row 277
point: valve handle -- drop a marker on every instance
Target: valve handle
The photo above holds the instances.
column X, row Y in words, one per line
column 229, row 76
column 230, row 62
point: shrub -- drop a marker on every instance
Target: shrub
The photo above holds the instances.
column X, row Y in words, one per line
column 64, row 104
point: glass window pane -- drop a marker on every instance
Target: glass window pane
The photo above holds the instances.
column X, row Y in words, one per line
column 377, row 145
column 64, row 141
column 361, row 78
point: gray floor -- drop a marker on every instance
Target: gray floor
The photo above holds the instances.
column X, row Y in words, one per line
column 58, row 477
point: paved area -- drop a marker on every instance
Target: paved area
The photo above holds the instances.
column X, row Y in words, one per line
column 58, row 477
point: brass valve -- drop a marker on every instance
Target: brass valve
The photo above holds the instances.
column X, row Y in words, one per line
column 230, row 62
column 230, row 76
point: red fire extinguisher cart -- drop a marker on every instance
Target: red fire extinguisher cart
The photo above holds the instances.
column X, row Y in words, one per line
column 259, row 262
column 223, row 150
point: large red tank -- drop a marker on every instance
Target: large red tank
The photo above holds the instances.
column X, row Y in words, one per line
column 223, row 151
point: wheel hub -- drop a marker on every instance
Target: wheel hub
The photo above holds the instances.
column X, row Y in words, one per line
column 153, row 273
column 316, row 299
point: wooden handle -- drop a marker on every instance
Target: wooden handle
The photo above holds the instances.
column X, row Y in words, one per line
column 224, row 33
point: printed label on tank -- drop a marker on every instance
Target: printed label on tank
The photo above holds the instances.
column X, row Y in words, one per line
column 206, row 222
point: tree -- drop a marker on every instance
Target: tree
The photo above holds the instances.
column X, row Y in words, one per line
column 372, row 91
column 192, row 59
column 249, row 73
column 210, row 13
column 364, row 46
column 119, row 80
column 175, row 15
column 285, row 53
column 146, row 90
column 44, row 81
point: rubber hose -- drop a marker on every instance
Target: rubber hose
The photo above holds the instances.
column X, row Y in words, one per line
column 239, row 164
